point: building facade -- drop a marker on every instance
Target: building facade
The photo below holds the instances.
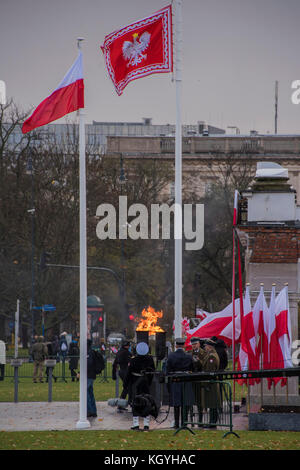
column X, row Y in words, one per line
column 207, row 159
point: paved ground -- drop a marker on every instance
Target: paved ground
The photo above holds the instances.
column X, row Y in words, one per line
column 42, row 416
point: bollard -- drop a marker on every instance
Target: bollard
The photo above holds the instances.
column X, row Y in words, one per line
column 50, row 363
column 16, row 363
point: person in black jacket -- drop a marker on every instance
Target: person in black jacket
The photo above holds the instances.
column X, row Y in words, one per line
column 122, row 361
column 180, row 361
column 138, row 382
column 73, row 359
column 91, row 376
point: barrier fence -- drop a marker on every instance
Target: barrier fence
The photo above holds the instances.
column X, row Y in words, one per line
column 206, row 404
column 61, row 370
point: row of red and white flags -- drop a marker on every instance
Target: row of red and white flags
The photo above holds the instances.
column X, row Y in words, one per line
column 263, row 331
column 142, row 48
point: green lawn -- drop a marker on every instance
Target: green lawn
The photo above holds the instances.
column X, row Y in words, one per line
column 153, row 440
column 61, row 391
column 64, row 390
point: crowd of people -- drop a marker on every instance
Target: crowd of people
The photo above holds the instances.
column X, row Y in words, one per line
column 58, row 349
column 135, row 366
column 136, row 372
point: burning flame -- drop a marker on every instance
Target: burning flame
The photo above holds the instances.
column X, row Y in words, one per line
column 149, row 322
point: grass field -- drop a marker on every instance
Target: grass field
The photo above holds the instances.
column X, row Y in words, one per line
column 63, row 390
column 153, row 440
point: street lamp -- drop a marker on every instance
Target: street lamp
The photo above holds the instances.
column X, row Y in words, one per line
column 30, row 171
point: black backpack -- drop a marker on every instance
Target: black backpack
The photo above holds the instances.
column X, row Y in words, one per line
column 98, row 362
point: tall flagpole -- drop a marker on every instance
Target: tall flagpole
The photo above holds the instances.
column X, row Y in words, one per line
column 233, row 308
column 83, row 422
column 178, row 172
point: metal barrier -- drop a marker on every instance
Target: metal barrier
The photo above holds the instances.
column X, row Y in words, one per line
column 61, row 370
column 206, row 404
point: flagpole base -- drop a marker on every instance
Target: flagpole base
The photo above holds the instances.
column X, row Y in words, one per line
column 83, row 424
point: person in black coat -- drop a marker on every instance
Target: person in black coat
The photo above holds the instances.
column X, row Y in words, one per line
column 91, row 376
column 180, row 361
column 137, row 382
column 122, row 361
column 221, row 349
column 73, row 359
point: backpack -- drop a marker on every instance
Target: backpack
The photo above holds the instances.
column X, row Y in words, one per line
column 64, row 346
column 98, row 362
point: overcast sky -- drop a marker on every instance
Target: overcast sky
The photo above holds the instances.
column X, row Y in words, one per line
column 233, row 52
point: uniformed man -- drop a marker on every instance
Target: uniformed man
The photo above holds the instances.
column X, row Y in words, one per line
column 198, row 355
column 211, row 363
column 179, row 361
column 39, row 354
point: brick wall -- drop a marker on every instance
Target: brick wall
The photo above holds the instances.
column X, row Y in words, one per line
column 273, row 245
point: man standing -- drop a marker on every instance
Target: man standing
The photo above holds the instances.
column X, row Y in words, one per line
column 91, row 376
column 198, row 355
column 122, row 360
column 179, row 361
column 211, row 363
column 39, row 354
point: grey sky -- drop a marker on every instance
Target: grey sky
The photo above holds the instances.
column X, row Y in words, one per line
column 234, row 50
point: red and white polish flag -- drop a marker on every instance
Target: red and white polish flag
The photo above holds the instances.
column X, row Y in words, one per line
column 201, row 314
column 235, row 206
column 140, row 49
column 261, row 327
column 280, row 335
column 218, row 324
column 66, row 98
column 247, row 359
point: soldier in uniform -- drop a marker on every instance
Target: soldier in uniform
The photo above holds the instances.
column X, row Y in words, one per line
column 179, row 361
column 198, row 355
column 39, row 354
column 211, row 397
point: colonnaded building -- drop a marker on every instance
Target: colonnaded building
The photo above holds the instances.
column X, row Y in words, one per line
column 208, row 152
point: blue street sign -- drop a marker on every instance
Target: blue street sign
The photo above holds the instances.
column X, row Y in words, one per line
column 37, row 308
column 49, row 308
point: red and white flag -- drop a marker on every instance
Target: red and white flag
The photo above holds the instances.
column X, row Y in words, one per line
column 273, row 338
column 247, row 359
column 280, row 345
column 201, row 314
column 261, row 326
column 235, row 206
column 140, row 49
column 66, row 98
column 185, row 325
column 218, row 324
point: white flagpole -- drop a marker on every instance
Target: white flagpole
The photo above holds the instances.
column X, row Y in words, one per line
column 178, row 172
column 83, row 422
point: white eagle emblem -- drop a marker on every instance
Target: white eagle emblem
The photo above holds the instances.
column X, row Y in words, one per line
column 133, row 51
